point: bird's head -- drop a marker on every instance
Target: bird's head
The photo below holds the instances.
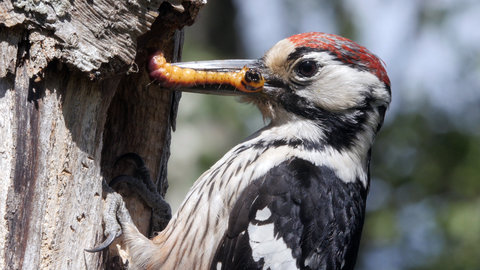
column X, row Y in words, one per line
column 315, row 76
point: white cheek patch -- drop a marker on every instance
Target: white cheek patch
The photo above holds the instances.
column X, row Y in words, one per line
column 340, row 87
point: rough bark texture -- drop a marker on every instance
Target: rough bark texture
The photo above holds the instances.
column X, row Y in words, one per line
column 74, row 95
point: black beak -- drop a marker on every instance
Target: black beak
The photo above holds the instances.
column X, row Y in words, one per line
column 219, row 77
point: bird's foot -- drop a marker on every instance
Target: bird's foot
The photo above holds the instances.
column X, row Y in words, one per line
column 142, row 184
column 115, row 213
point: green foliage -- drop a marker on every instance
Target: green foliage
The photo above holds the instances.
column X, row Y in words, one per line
column 439, row 161
column 425, row 161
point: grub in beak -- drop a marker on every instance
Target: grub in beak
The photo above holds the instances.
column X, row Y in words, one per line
column 224, row 77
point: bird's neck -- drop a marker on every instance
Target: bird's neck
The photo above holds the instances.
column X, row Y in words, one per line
column 346, row 152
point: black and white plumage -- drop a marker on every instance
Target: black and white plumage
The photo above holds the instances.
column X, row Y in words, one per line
column 279, row 214
column 293, row 194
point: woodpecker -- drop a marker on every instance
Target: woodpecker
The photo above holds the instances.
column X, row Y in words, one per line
column 292, row 195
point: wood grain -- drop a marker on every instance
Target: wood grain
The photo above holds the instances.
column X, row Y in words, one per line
column 74, row 94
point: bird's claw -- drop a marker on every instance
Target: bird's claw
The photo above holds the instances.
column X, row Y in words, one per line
column 115, row 213
column 105, row 244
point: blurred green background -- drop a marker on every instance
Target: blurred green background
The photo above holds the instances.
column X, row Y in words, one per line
column 424, row 203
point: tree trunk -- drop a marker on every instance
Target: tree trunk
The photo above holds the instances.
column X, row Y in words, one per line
column 74, row 95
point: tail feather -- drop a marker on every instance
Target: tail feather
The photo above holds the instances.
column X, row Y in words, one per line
column 141, row 249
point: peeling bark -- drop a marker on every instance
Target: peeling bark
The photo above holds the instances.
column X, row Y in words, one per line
column 74, row 95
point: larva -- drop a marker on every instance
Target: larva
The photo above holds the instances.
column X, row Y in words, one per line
column 248, row 80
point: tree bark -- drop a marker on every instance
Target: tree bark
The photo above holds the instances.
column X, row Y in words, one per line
column 74, row 95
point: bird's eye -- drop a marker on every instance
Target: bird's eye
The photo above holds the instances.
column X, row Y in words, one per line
column 307, row 68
